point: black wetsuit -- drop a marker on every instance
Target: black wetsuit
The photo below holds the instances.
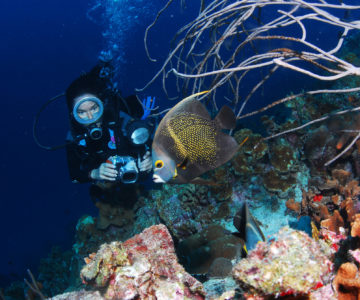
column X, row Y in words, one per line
column 85, row 155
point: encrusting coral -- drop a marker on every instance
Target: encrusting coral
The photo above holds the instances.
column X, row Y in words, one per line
column 294, row 206
column 333, row 223
column 347, row 282
column 113, row 215
column 292, row 264
column 199, row 251
column 275, row 182
column 282, row 156
column 144, row 265
column 355, row 227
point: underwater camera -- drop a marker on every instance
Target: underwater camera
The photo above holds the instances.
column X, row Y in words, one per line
column 126, row 167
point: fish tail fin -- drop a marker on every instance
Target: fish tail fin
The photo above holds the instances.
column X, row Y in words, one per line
column 226, row 118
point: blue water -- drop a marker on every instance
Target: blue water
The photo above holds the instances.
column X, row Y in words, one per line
column 44, row 46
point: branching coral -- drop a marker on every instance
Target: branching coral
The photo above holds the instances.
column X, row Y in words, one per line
column 233, row 33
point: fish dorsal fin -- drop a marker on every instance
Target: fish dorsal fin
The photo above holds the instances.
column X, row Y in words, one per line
column 226, row 118
column 190, row 105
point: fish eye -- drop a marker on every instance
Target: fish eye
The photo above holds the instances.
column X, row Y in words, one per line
column 159, row 164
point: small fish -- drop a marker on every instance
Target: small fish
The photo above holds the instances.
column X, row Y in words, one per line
column 248, row 227
column 188, row 143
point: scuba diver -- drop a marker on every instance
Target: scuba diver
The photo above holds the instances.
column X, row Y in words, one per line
column 109, row 140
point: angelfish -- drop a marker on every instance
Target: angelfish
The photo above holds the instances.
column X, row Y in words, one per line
column 248, row 227
column 188, row 143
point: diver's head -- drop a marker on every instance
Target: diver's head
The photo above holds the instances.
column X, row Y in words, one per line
column 87, row 111
column 88, row 102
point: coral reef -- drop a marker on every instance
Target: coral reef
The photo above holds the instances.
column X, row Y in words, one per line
column 89, row 236
column 333, row 223
column 199, row 252
column 277, row 183
column 55, row 271
column 221, row 288
column 54, row 276
column 331, row 201
column 79, row 295
column 319, row 148
column 294, row 206
column 249, row 140
column 221, row 267
column 282, row 156
column 355, row 226
column 143, row 265
column 275, row 163
column 113, row 215
column 183, row 208
column 347, row 282
column 292, row 264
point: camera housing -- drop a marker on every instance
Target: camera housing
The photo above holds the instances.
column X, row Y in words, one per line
column 127, row 169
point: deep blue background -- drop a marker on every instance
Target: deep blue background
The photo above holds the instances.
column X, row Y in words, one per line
column 44, row 46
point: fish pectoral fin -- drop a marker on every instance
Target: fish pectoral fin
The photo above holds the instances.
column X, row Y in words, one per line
column 183, row 164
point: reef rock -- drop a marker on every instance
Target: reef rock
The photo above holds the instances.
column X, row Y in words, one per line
column 79, row 295
column 291, row 264
column 143, row 267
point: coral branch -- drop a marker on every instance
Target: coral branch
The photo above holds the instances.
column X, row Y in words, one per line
column 227, row 23
column 33, row 285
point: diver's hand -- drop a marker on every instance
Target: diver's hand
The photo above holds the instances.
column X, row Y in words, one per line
column 146, row 164
column 106, row 171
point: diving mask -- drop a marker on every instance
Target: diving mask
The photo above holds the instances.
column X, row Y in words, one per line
column 88, row 109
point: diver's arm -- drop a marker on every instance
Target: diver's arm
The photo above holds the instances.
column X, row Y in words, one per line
column 79, row 165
